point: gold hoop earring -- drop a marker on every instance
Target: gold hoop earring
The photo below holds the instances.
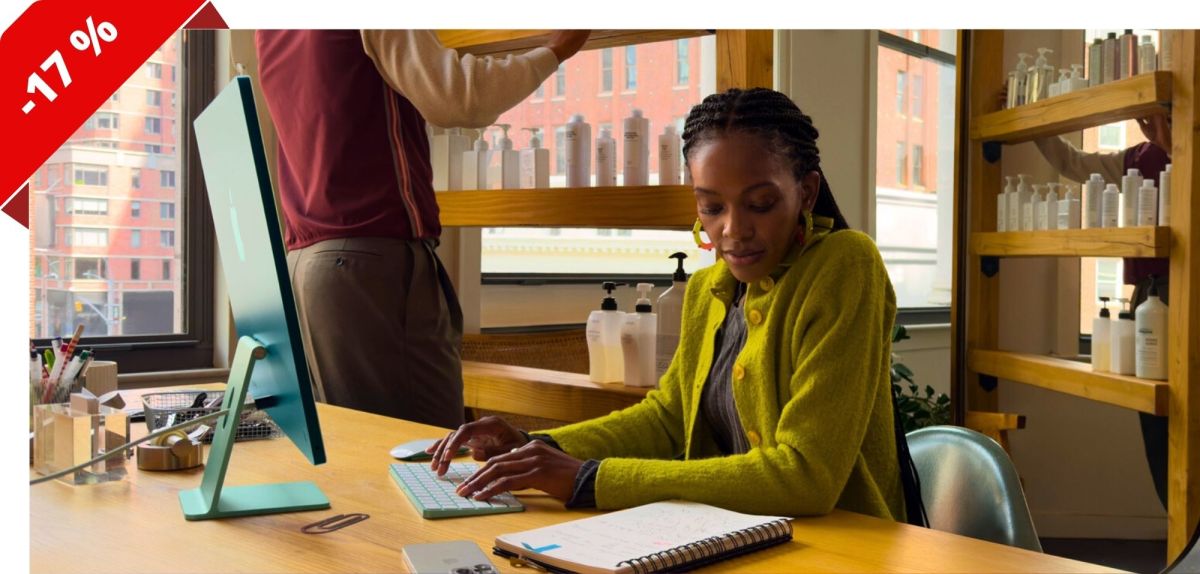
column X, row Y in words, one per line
column 696, row 228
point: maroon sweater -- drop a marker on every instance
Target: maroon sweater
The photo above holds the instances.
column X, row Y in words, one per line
column 353, row 153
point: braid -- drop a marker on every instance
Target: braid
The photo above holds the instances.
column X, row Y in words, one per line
column 772, row 116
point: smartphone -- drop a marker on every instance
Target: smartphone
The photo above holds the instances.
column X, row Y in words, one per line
column 457, row 557
column 415, row 450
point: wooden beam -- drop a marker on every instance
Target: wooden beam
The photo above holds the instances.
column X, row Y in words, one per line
column 1073, row 378
column 745, row 59
column 501, row 42
column 662, row 207
column 541, row 393
column 1118, row 242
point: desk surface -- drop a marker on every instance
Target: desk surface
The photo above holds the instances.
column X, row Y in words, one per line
column 136, row 525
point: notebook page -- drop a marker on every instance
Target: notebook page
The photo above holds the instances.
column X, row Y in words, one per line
column 600, row 542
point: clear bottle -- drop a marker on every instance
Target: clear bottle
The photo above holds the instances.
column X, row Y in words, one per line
column 1048, row 215
column 504, row 163
column 1060, row 86
column 1069, row 209
column 1040, row 76
column 1093, row 195
column 1147, row 60
column 1147, row 206
column 1023, row 72
column 535, row 163
column 638, row 334
column 1110, row 207
column 1016, row 203
column 1164, row 196
column 670, row 316
column 1130, row 183
column 1102, row 339
column 579, row 152
column 1014, row 86
column 1030, row 209
column 1001, row 204
column 606, row 159
column 605, row 357
column 1123, row 339
column 1151, row 326
column 1076, row 81
column 636, row 149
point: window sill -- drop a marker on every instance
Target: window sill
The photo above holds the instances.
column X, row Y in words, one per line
column 629, row 92
column 171, row 378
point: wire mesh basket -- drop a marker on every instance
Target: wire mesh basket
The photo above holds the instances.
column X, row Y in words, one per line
column 175, row 407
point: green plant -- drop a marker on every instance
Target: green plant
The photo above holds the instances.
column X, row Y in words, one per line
column 917, row 409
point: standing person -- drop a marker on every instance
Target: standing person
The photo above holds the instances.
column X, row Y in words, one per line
column 381, row 321
column 778, row 400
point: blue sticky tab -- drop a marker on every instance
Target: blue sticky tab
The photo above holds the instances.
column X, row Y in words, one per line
column 546, row 548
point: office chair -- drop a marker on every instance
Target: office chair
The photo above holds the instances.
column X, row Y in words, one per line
column 970, row 487
column 1188, row 561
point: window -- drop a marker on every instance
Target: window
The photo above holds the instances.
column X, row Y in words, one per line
column 143, row 326
column 682, row 65
column 166, row 267
column 914, row 180
column 540, row 93
column 918, row 93
column 918, row 160
column 166, row 210
column 606, row 67
column 560, row 150
column 630, row 68
column 116, row 96
column 560, row 80
column 1112, row 136
column 91, row 174
column 86, row 206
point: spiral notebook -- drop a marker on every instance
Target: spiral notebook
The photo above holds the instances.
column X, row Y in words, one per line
column 659, row 537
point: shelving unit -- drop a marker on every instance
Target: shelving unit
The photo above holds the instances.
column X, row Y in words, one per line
column 975, row 314
column 500, row 42
column 647, row 207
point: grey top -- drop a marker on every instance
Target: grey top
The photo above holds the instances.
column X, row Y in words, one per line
column 716, row 401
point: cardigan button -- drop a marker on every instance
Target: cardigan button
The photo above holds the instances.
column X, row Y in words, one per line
column 766, row 284
column 756, row 317
column 739, row 372
column 755, row 440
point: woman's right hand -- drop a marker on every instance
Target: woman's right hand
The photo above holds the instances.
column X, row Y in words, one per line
column 486, row 437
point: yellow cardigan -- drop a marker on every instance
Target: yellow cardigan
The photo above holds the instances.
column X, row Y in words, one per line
column 812, row 390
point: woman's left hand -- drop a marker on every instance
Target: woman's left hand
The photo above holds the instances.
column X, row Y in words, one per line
column 535, row 465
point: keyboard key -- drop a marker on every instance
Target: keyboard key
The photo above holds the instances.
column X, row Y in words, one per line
column 434, row 497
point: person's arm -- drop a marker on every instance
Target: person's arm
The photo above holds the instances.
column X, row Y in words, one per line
column 842, row 363
column 1079, row 165
column 451, row 90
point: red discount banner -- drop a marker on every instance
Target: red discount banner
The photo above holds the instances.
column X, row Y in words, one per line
column 59, row 62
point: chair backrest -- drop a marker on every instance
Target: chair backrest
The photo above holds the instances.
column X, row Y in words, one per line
column 970, row 486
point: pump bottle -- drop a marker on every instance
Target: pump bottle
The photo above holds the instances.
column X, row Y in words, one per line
column 605, row 360
column 1122, row 342
column 1164, row 196
column 1147, row 206
column 1110, row 206
column 638, row 338
column 504, row 163
column 1151, row 326
column 445, row 156
column 535, row 163
column 1092, row 201
column 1016, row 209
column 670, row 315
column 1102, row 339
column 1048, row 214
column 1068, row 209
column 1130, row 183
column 1001, row 204
column 475, row 165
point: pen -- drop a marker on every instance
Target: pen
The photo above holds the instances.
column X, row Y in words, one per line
column 74, row 340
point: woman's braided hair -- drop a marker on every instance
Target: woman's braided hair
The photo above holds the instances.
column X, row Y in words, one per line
column 768, row 114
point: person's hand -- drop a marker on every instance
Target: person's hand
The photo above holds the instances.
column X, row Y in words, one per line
column 535, row 465
column 1158, row 130
column 565, row 43
column 486, row 437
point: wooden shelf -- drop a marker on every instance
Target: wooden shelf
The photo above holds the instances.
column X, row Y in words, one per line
column 1108, row 242
column 542, row 393
column 645, row 207
column 1073, row 378
column 500, row 42
column 1139, row 96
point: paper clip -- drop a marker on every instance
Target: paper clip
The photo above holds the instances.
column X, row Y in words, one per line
column 334, row 523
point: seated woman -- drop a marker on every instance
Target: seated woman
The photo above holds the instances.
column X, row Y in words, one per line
column 778, row 400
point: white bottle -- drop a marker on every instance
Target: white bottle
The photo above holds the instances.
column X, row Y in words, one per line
column 1030, row 209
column 1048, row 215
column 1016, row 208
column 1102, row 339
column 1130, row 183
column 1111, row 58
column 1110, row 207
column 670, row 316
column 1147, row 61
column 1068, row 209
column 638, row 334
column 668, row 156
column 1151, row 326
column 1092, row 201
column 1096, row 62
column 1122, row 346
column 606, row 159
column 1001, row 204
column 475, row 165
column 1076, row 81
column 605, row 358
column 1060, row 85
column 1147, row 206
column 636, row 149
column 1164, row 196
column 504, row 163
column 445, row 156
column 579, row 152
column 535, row 163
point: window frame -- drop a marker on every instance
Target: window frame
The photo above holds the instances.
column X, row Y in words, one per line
column 193, row 347
column 683, row 63
column 631, row 68
column 606, row 71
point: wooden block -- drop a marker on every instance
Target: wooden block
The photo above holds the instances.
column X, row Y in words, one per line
column 101, row 377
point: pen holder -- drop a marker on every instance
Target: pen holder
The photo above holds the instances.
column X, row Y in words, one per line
column 64, row 437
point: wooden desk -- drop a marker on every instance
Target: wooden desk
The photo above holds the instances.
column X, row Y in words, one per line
column 136, row 525
column 541, row 393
